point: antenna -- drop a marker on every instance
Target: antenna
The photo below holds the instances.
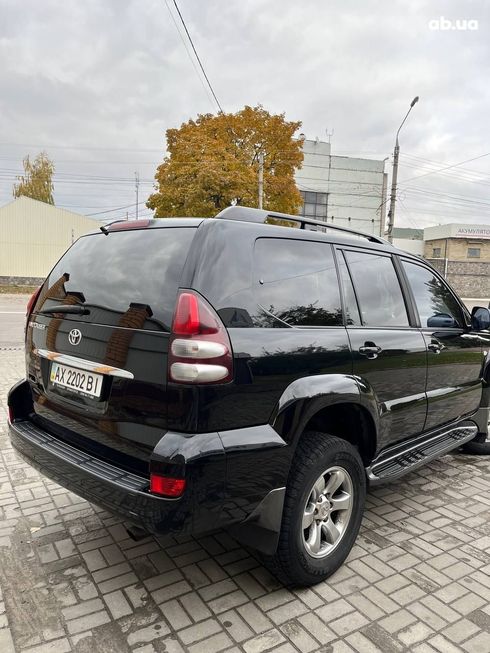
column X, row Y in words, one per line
column 329, row 135
column 137, row 184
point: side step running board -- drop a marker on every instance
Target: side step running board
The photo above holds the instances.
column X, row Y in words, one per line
column 404, row 458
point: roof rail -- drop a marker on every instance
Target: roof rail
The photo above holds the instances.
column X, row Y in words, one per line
column 248, row 214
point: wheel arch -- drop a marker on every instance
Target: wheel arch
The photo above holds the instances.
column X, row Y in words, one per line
column 347, row 421
column 333, row 404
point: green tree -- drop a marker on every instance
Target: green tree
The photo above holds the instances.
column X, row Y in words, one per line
column 213, row 162
column 37, row 180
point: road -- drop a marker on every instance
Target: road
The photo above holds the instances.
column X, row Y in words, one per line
column 12, row 319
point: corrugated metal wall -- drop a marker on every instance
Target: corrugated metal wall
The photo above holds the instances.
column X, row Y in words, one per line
column 34, row 235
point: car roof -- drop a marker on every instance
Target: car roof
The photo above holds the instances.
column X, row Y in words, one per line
column 261, row 230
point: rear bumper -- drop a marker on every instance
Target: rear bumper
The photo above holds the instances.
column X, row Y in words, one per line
column 116, row 490
column 204, row 460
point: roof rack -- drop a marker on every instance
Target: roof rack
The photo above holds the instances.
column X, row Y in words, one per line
column 248, row 214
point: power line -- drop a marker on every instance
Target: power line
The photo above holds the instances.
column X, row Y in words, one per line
column 187, row 51
column 117, row 208
column 454, row 165
column 443, row 163
column 450, row 198
column 453, row 175
column 197, row 57
column 81, row 147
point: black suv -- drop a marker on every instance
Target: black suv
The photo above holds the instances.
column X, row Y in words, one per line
column 253, row 371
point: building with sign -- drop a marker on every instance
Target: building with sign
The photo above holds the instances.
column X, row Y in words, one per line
column 461, row 252
column 458, row 242
column 342, row 190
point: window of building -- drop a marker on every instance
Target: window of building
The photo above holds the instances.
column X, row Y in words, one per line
column 434, row 300
column 473, row 252
column 314, row 204
column 296, row 283
column 378, row 290
column 436, row 252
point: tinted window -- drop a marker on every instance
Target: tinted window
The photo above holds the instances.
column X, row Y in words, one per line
column 296, row 281
column 350, row 303
column 128, row 278
column 378, row 290
column 434, row 300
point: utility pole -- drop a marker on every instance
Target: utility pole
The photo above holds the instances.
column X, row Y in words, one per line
column 396, row 153
column 137, row 185
column 261, row 179
column 394, row 177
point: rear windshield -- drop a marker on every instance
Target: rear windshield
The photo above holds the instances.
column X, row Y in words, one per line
column 127, row 278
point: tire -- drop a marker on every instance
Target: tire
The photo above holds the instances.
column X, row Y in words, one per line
column 477, row 448
column 307, row 556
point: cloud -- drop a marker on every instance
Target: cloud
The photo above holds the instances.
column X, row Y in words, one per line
column 108, row 77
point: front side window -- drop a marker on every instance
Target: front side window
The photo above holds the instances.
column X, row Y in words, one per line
column 296, row 283
column 378, row 290
column 436, row 304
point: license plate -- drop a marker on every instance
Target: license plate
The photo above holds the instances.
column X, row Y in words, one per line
column 78, row 381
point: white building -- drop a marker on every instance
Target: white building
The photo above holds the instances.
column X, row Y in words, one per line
column 33, row 236
column 411, row 240
column 350, row 192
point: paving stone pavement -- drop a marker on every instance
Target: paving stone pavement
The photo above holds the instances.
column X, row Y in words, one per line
column 417, row 580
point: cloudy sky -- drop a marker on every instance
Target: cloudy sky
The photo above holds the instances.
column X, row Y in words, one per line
column 97, row 83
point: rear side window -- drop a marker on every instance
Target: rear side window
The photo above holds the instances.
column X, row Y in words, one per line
column 296, row 283
column 436, row 304
column 378, row 290
column 127, row 278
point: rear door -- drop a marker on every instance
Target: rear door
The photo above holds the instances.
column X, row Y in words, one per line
column 454, row 354
column 99, row 373
column 389, row 354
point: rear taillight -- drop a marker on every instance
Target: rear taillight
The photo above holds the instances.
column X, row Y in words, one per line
column 32, row 301
column 199, row 349
column 166, row 486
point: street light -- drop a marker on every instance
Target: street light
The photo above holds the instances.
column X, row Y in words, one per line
column 391, row 212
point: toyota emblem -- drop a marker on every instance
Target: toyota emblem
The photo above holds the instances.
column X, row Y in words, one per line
column 75, row 336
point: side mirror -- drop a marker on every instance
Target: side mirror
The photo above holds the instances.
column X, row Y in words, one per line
column 441, row 320
column 480, row 318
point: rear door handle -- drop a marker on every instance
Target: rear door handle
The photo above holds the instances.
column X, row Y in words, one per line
column 370, row 350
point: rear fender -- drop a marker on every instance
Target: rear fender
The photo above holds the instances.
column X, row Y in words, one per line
column 305, row 397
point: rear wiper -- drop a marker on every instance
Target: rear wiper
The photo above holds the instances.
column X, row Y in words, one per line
column 64, row 308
